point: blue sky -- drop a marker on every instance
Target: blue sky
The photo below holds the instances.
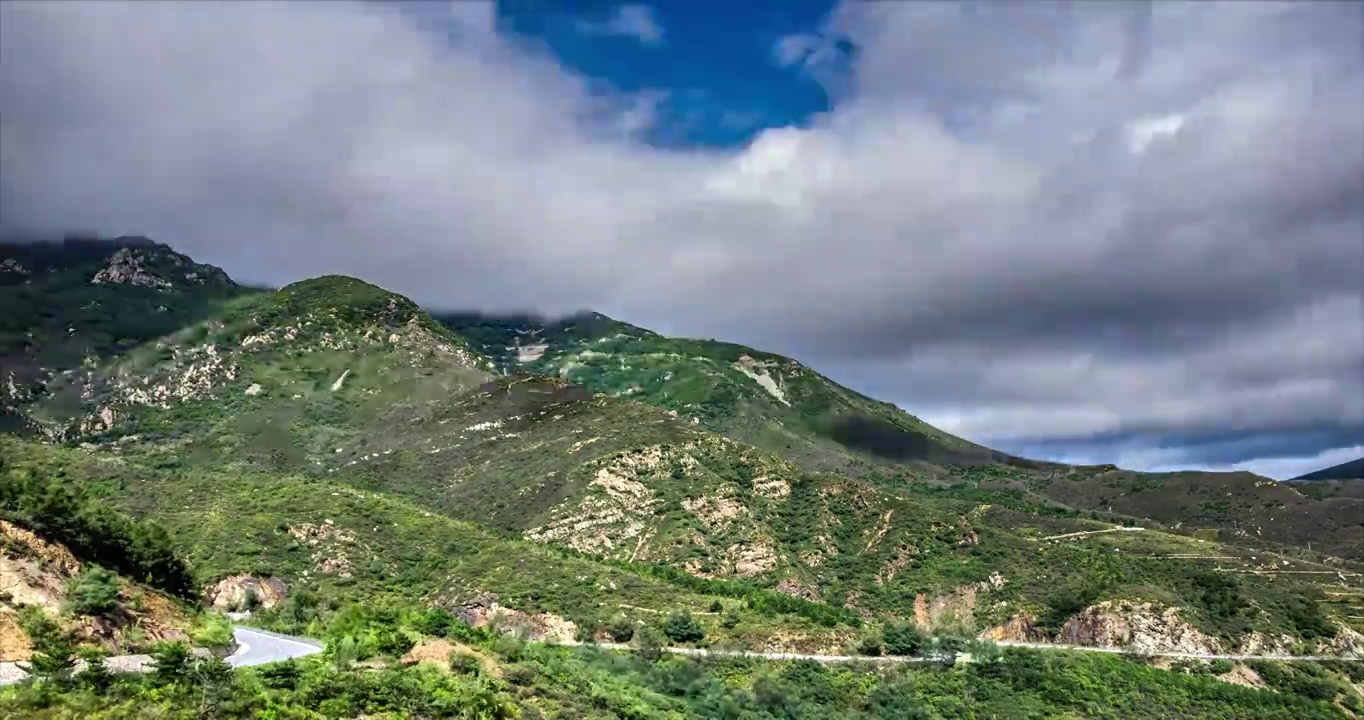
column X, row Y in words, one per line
column 1121, row 232
column 712, row 62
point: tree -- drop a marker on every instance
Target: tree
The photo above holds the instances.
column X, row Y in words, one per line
column 94, row 592
column 96, row 675
column 904, row 638
column 54, row 650
column 681, row 627
column 171, row 663
column 648, row 644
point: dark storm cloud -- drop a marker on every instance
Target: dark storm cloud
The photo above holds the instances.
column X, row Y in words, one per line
column 1025, row 222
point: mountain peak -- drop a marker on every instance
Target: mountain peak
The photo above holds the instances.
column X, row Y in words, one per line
column 133, row 261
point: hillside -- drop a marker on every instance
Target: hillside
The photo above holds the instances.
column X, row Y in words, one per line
column 72, row 303
column 763, row 399
column 1352, row 470
column 70, row 563
column 779, row 405
column 334, row 436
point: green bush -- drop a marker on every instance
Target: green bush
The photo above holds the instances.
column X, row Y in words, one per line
column 903, row 638
column 681, row 627
column 93, row 592
column 620, row 629
column 462, row 663
column 54, row 650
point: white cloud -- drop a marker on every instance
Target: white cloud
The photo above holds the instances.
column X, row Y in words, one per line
column 636, row 21
column 967, row 233
column 1276, row 468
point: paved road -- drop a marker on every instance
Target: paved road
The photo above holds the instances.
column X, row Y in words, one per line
column 702, row 652
column 1195, row 656
column 254, row 647
column 258, row 647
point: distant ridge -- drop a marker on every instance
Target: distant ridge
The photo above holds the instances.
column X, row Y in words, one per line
column 1352, row 470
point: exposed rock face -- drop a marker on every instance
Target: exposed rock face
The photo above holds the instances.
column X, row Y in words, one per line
column 1258, row 643
column 128, row 266
column 37, row 573
column 1135, row 626
column 753, row 558
column 242, row 592
column 715, row 512
column 1019, row 628
column 1345, row 641
column 483, row 610
column 791, row 586
column 1242, row 675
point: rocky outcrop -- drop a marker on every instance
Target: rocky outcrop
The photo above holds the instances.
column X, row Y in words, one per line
column 1258, row 643
column 128, row 267
column 246, row 592
column 483, row 610
column 332, row 548
column 1019, row 628
column 791, row 586
column 1346, row 641
column 1139, row 627
column 10, row 266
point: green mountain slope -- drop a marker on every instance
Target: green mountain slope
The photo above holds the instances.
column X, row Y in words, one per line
column 779, row 405
column 763, row 399
column 335, row 400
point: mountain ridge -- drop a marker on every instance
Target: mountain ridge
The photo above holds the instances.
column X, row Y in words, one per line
column 720, row 463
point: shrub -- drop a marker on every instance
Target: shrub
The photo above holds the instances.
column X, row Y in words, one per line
column 904, row 638
column 870, row 644
column 648, row 644
column 94, row 592
column 681, row 627
column 462, row 663
column 620, row 629
column 54, row 651
column 96, row 675
column 170, row 663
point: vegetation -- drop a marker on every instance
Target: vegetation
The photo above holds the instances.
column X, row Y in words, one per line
column 490, row 677
column 393, row 468
column 94, row 592
column 63, row 511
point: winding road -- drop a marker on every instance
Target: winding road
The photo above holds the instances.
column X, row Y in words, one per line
column 254, row 647
column 260, row 647
column 703, row 652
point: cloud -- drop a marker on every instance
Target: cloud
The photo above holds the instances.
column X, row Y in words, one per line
column 1109, row 228
column 636, row 21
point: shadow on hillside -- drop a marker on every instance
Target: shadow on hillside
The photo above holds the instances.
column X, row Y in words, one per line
column 888, row 441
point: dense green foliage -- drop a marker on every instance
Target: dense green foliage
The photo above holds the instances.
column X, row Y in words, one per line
column 492, row 677
column 61, row 511
column 94, row 592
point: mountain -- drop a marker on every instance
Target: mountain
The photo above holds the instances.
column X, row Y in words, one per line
column 777, row 404
column 337, row 437
column 1352, row 470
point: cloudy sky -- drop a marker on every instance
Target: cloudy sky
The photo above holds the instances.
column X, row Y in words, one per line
column 1106, row 232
